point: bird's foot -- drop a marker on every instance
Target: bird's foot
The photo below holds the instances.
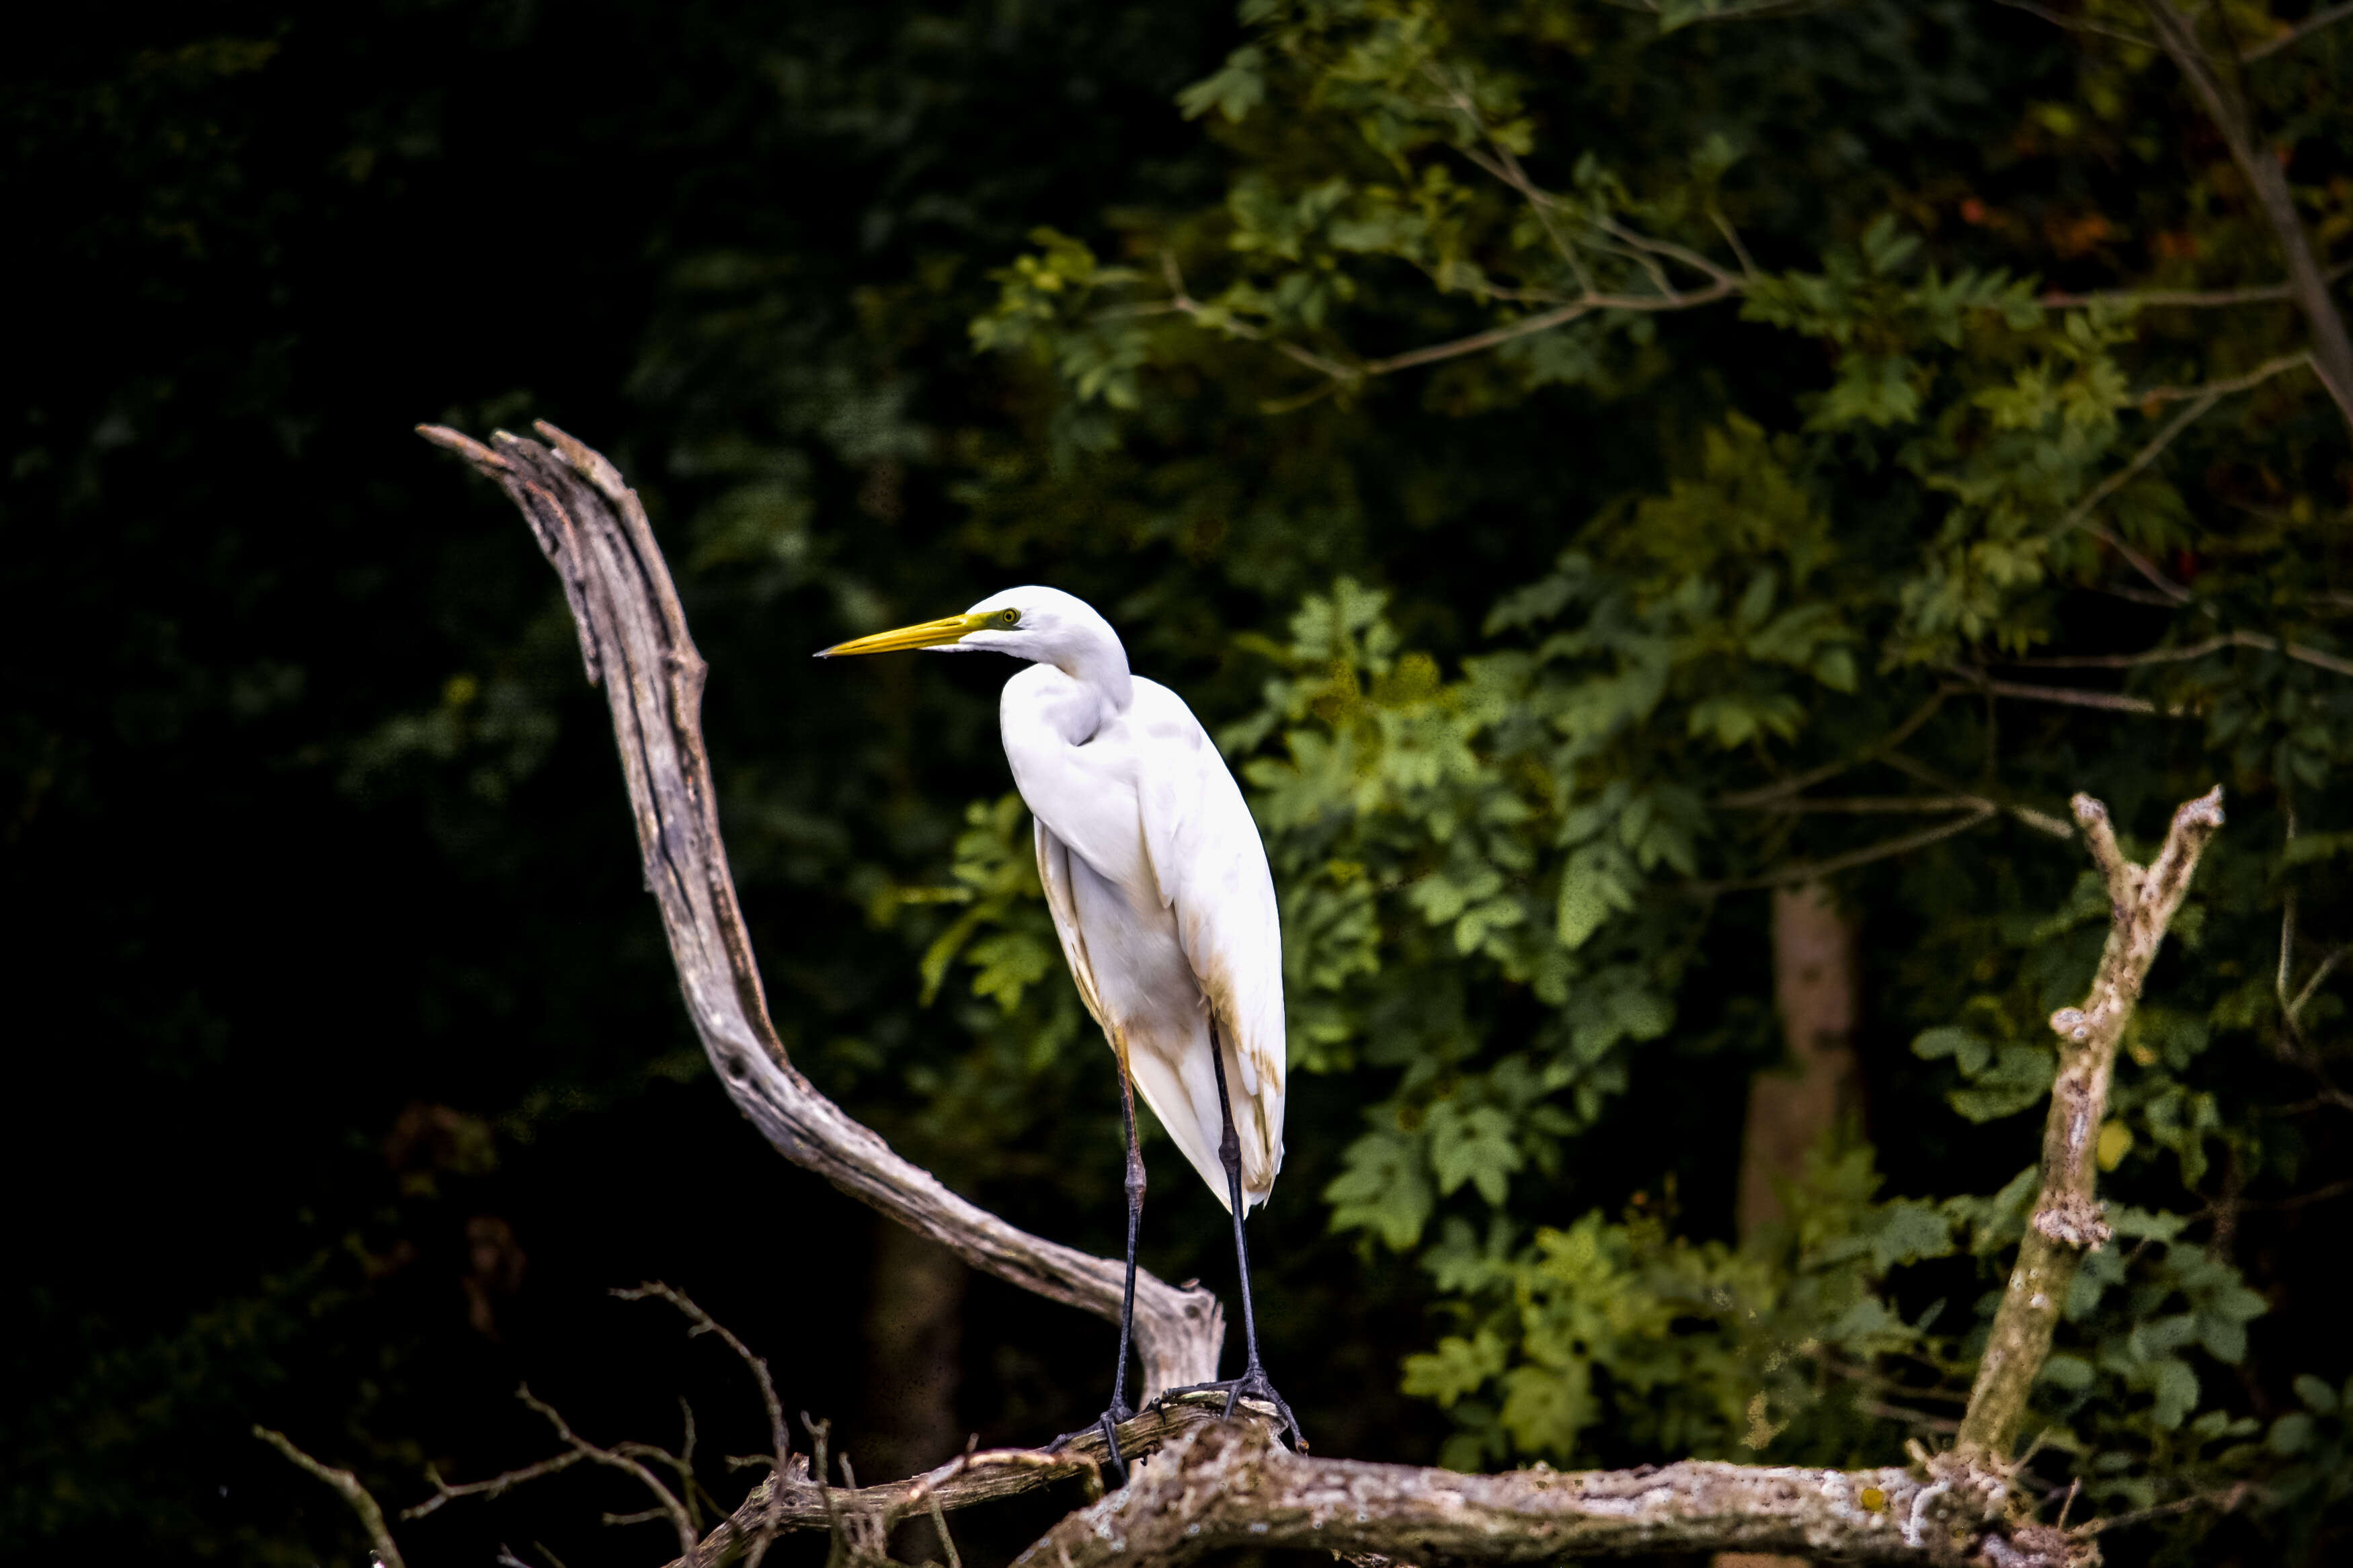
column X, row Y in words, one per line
column 1251, row 1384
column 1107, row 1424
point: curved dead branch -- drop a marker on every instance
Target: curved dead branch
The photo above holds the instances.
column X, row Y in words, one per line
column 634, row 641
column 1206, row 1484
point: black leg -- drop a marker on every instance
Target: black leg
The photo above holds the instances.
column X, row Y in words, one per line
column 1120, row 1410
column 1253, row 1380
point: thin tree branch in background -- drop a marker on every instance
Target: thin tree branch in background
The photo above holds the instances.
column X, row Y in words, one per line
column 2202, row 398
column 2328, row 967
column 1873, row 804
column 2183, row 299
column 1780, row 789
column 1810, row 871
column 2068, row 1220
column 443, row 1491
column 348, row 1488
column 2041, row 821
column 2077, row 24
column 779, row 1436
column 2311, row 656
column 2327, row 15
column 2209, row 389
column 667, row 1504
column 2065, row 696
column 2332, row 349
column 634, row 641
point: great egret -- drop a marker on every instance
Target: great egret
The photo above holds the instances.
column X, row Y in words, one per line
column 1162, row 898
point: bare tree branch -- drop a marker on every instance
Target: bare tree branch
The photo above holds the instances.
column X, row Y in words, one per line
column 2065, row 696
column 2077, row 24
column 2327, row 15
column 1810, row 870
column 797, row 1501
column 2332, row 349
column 2311, row 656
column 1780, row 789
column 634, row 641
column 2067, row 1220
column 348, row 1488
column 667, row 1503
column 443, row 1491
column 2183, row 299
column 1223, row 1488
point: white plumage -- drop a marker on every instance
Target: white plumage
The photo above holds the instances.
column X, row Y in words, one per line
column 1161, row 896
column 1151, row 866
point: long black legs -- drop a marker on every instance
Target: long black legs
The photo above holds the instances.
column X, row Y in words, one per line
column 1120, row 1410
column 1254, row 1382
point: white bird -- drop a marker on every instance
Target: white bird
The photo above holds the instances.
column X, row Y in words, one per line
column 1162, row 898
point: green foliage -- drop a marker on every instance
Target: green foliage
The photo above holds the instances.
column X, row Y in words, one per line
column 1807, row 465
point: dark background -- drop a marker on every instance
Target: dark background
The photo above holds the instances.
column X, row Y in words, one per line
column 348, row 1069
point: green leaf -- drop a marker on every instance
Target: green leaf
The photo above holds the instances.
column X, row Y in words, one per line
column 2290, row 1435
column 1477, row 1146
column 1384, row 1188
column 1456, row 1367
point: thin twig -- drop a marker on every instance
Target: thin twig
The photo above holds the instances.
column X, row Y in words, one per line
column 1807, row 871
column 2228, row 384
column 2065, row 696
column 2328, row 967
column 671, row 1508
column 2227, row 1500
column 779, row 1436
column 2267, row 180
column 348, row 1488
column 2257, row 640
column 445, row 1492
column 2076, row 24
column 2326, row 16
column 2182, row 299
column 2041, row 821
column 1796, row 783
column 1872, row 804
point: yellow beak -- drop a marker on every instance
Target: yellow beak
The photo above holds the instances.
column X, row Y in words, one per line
column 928, row 634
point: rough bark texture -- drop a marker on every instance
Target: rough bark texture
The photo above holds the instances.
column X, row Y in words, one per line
column 1816, row 993
column 1222, row 1486
column 634, row 641
column 2067, row 1220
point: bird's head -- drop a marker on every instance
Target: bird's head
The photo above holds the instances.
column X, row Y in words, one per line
column 1044, row 625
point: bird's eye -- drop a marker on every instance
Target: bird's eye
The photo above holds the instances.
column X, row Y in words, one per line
column 1009, row 618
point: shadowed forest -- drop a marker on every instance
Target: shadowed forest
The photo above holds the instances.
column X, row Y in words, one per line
column 1661, row 502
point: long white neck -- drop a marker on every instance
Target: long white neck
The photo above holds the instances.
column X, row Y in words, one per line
column 1098, row 663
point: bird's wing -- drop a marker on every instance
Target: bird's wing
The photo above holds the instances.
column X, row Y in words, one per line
column 1210, row 865
column 1054, row 874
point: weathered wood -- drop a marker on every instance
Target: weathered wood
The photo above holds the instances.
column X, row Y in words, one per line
column 2067, row 1222
column 1227, row 1486
column 866, row 1514
column 634, row 642
column 1205, row 1484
